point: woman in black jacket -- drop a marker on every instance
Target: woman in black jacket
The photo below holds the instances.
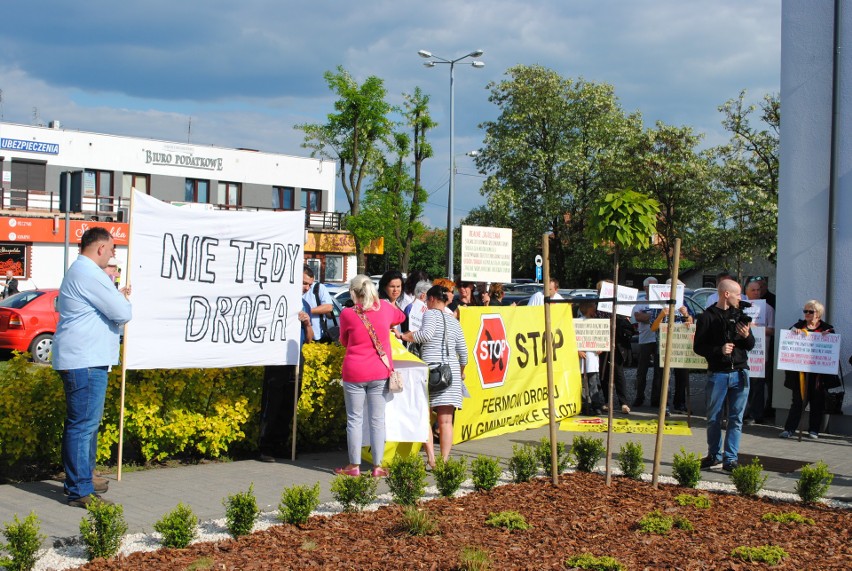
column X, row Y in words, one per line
column 814, row 382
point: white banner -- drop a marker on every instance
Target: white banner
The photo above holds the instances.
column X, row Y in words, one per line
column 625, row 293
column 486, row 254
column 757, row 356
column 592, row 334
column 809, row 352
column 213, row 289
column 683, row 357
column 757, row 311
column 663, row 292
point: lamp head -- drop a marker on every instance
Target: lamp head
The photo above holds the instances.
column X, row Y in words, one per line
column 429, row 64
column 478, row 64
column 424, row 54
column 476, row 53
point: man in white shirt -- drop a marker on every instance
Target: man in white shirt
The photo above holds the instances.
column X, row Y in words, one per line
column 645, row 315
column 538, row 297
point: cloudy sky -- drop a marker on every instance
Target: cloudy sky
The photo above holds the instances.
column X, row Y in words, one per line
column 247, row 71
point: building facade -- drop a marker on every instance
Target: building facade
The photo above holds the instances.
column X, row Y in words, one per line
column 32, row 160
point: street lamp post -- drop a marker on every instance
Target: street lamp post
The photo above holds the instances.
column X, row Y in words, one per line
column 433, row 61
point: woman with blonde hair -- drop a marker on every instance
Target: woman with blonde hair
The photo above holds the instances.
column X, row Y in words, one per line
column 365, row 333
column 814, row 384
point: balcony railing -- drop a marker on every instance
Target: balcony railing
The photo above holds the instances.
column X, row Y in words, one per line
column 117, row 208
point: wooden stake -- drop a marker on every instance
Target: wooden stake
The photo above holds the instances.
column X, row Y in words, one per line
column 548, row 340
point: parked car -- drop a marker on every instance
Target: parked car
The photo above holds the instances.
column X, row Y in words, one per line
column 28, row 321
column 701, row 294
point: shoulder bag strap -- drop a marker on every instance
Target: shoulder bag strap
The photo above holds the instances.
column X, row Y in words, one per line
column 373, row 337
column 444, row 350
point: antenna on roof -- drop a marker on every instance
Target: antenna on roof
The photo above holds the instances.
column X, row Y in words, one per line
column 189, row 130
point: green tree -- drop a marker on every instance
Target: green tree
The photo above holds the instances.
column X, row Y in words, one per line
column 429, row 252
column 551, row 152
column 667, row 166
column 354, row 136
column 746, row 171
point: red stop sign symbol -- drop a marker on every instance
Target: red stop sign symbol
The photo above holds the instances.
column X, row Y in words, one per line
column 492, row 351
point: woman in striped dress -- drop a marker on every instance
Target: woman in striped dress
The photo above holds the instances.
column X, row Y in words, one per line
column 442, row 341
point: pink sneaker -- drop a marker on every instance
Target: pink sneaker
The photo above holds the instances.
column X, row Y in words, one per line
column 354, row 472
column 379, row 472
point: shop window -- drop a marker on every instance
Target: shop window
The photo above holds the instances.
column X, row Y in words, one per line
column 282, row 197
column 98, row 185
column 28, row 175
column 141, row 182
column 197, row 190
column 334, row 269
column 229, row 194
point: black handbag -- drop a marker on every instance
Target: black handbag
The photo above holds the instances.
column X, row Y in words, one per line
column 440, row 374
column 329, row 329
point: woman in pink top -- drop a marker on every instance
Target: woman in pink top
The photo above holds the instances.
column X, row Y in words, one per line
column 365, row 375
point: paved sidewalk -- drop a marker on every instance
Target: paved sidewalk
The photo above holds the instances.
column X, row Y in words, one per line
column 148, row 494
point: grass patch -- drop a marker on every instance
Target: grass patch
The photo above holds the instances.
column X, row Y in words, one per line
column 656, row 522
column 769, row 554
column 510, row 520
column 474, row 559
column 589, row 561
column 702, row 502
column 787, row 517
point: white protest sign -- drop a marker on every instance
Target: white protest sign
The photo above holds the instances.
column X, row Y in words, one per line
column 757, row 311
column 757, row 356
column 683, row 357
column 486, row 254
column 592, row 334
column 809, row 352
column 213, row 288
column 625, row 293
column 663, row 292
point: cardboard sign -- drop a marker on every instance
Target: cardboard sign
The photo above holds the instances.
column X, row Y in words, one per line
column 625, row 293
column 809, row 352
column 757, row 356
column 486, row 254
column 683, row 357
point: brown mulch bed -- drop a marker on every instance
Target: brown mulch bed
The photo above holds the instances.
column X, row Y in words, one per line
column 581, row 514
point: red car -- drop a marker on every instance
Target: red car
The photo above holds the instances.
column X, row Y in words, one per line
column 28, row 321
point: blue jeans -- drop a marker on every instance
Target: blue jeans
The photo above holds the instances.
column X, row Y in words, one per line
column 722, row 387
column 356, row 396
column 85, row 391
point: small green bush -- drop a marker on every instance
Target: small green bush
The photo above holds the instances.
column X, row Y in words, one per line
column 102, row 529
column 701, row 502
column 749, row 479
column 788, row 517
column 656, row 522
column 354, row 494
column 485, row 473
column 631, row 460
column 683, row 523
column 769, row 554
column 24, row 539
column 686, row 468
column 418, row 522
column 587, row 451
column 510, row 520
column 178, row 527
column 241, row 512
column 297, row 503
column 814, row 482
column 474, row 559
column 449, row 475
column 589, row 561
column 406, row 479
column 563, row 456
column 523, row 465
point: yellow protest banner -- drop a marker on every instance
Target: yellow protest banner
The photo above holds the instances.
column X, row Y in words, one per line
column 506, row 374
column 624, row 425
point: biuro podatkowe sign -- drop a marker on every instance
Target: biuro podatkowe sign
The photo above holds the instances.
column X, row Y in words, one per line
column 506, row 374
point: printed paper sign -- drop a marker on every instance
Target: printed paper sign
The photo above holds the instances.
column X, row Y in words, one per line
column 683, row 357
column 486, row 254
column 757, row 356
column 213, row 288
column 809, row 352
column 592, row 334
column 757, row 311
column 663, row 292
column 625, row 293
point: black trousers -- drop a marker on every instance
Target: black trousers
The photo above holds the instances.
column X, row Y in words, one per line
column 620, row 382
column 816, row 396
column 276, row 408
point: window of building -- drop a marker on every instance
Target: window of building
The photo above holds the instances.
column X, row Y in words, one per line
column 98, row 185
column 334, row 268
column 229, row 194
column 282, row 197
column 141, row 182
column 316, row 265
column 311, row 200
column 28, row 175
column 197, row 190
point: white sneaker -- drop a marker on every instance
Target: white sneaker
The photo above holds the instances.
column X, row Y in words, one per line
column 625, row 409
column 813, row 435
column 785, row 434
